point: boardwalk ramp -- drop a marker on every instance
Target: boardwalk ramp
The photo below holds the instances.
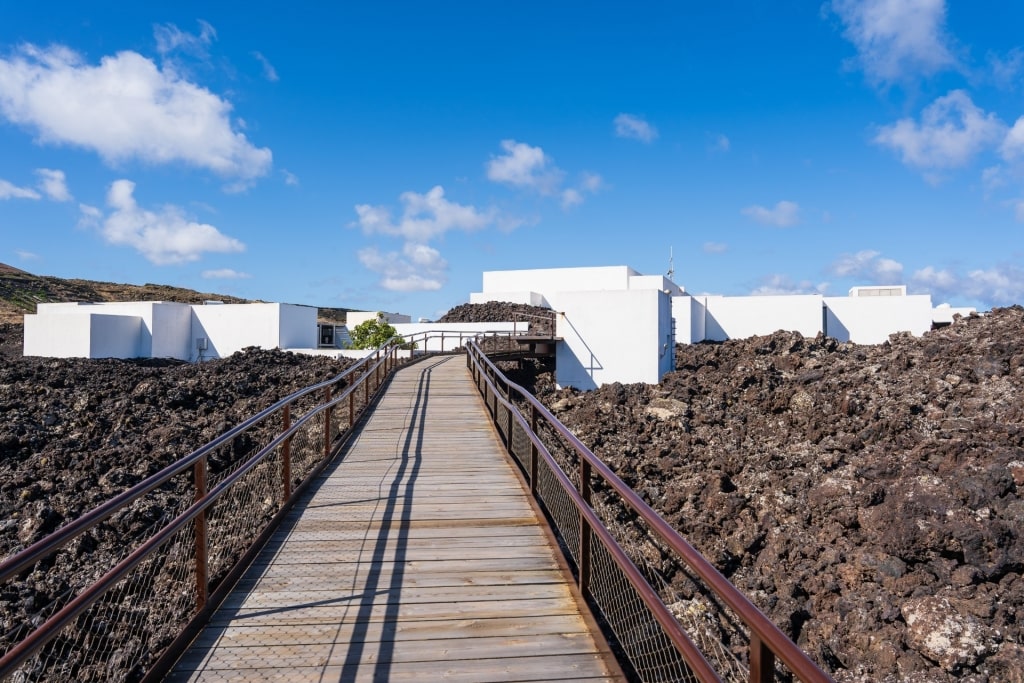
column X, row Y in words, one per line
column 416, row 555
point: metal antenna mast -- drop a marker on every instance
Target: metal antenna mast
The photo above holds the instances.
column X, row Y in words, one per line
column 671, row 265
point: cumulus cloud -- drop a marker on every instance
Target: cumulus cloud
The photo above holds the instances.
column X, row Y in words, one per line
column 416, row 268
column 53, row 184
column 897, row 40
column 225, row 274
column 528, row 167
column 290, row 178
column 424, row 217
column 164, row 237
column 951, row 132
column 784, row 214
column 1006, row 71
column 635, row 128
column 9, row 190
column 999, row 285
column 774, row 285
column 269, row 72
column 125, row 108
column 525, row 166
column 720, row 143
column 869, row 266
column 715, row 247
column 1012, row 147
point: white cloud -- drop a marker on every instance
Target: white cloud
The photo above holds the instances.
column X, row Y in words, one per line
column 424, row 217
column 784, row 214
column 53, row 184
column 269, row 72
column 290, row 178
column 417, row 268
column 125, row 108
column 715, row 248
column 999, row 285
column 897, row 40
column 164, row 237
column 774, row 285
column 720, row 143
column 26, row 255
column 1006, row 72
column 952, row 131
column 9, row 190
column 525, row 166
column 169, row 38
column 635, row 128
column 1013, row 144
column 225, row 274
column 869, row 266
column 591, row 182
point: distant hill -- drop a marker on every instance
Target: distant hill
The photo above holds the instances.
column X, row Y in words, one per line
column 20, row 291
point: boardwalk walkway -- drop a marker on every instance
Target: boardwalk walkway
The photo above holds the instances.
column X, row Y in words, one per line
column 417, row 556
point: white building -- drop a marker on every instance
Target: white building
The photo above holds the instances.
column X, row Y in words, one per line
column 619, row 325
column 163, row 329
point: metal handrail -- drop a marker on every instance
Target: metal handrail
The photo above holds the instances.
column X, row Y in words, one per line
column 375, row 366
column 767, row 642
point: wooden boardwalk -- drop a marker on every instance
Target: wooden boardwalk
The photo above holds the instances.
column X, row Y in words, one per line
column 417, row 556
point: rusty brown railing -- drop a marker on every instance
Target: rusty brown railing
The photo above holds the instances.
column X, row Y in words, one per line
column 174, row 543
column 673, row 616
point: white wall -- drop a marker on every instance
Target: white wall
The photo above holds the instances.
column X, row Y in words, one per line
column 232, row 327
column 297, row 326
column 611, row 336
column 655, row 282
column 550, row 280
column 115, row 336
column 170, row 331
column 738, row 317
column 57, row 335
column 870, row 320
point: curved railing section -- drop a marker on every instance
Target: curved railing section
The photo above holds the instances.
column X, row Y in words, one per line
column 114, row 593
column 671, row 614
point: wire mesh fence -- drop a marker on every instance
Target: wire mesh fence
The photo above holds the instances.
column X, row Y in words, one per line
column 667, row 610
column 68, row 613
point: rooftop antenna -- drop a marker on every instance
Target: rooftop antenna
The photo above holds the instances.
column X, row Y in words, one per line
column 671, row 265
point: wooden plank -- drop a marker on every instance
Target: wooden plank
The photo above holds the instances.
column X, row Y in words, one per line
column 416, row 554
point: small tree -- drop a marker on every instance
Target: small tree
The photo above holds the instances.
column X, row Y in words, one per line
column 372, row 333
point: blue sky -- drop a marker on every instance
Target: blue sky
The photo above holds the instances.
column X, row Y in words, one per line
column 383, row 155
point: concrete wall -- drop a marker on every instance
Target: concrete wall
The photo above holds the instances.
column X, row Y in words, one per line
column 870, row 320
column 550, row 280
column 655, row 282
column 737, row 317
column 598, row 349
column 297, row 327
column 170, row 331
column 115, row 336
column 57, row 335
column 232, row 327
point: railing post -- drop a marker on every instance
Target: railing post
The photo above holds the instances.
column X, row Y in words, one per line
column 286, row 455
column 327, row 422
column 366, row 388
column 202, row 547
column 584, row 529
column 533, row 451
column 351, row 409
column 762, row 661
